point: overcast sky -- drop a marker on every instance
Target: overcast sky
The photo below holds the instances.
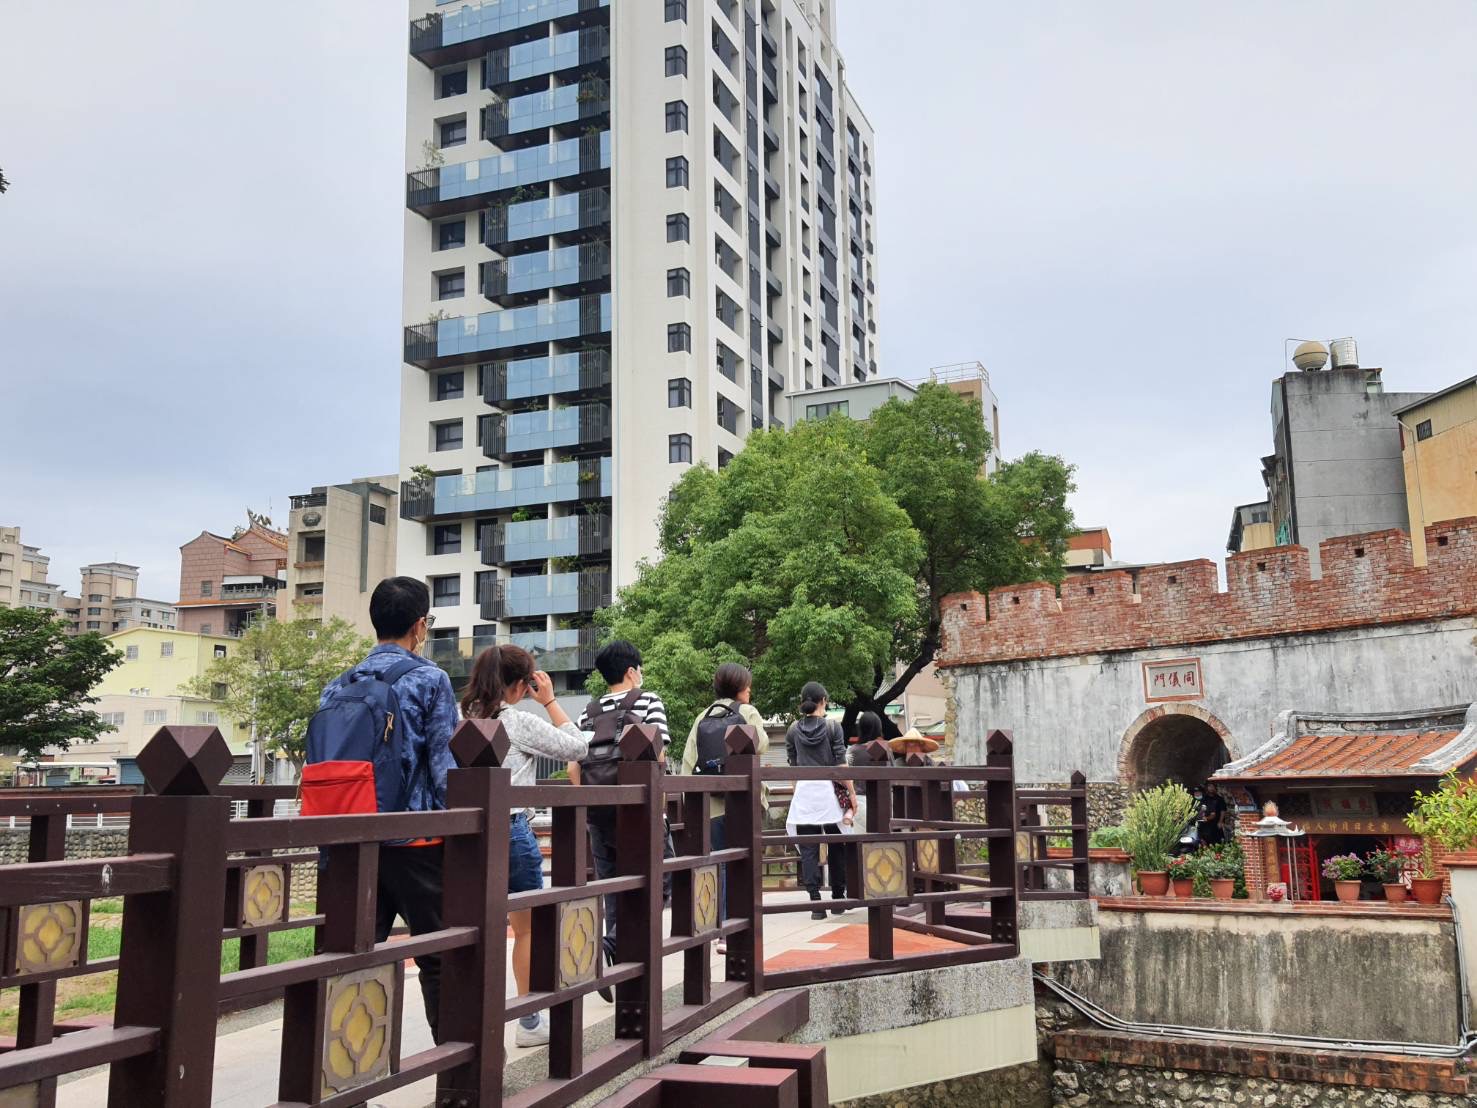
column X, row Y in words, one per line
column 1121, row 209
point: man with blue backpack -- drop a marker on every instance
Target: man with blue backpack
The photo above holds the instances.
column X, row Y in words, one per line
column 380, row 742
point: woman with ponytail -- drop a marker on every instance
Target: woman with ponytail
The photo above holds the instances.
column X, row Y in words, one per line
column 501, row 677
column 814, row 740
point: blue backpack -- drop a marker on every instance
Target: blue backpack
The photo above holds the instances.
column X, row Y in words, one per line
column 354, row 754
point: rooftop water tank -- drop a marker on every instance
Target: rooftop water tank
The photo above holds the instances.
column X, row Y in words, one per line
column 1309, row 356
column 1345, row 354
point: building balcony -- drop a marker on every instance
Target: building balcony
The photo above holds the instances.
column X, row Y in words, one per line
column 465, row 186
column 771, row 184
column 583, row 372
column 456, row 656
column 551, row 594
column 497, row 490
column 576, row 536
column 537, row 111
column 775, row 285
column 443, row 342
column 528, row 60
column 776, row 332
column 564, row 651
column 249, row 589
column 568, row 214
column 584, row 425
column 771, row 136
column 445, row 37
column 571, row 268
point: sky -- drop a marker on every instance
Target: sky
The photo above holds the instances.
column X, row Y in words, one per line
column 1122, row 210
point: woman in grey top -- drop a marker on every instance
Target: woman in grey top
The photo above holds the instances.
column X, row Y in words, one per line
column 501, row 677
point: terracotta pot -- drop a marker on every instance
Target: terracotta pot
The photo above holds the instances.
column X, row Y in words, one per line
column 1183, row 886
column 1222, row 888
column 1346, row 890
column 1154, row 882
column 1395, row 893
column 1426, row 890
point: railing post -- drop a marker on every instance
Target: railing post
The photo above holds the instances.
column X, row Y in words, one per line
column 1000, row 812
column 879, row 822
column 169, row 963
column 639, row 837
column 744, row 826
column 36, row 1023
column 475, row 894
column 1080, row 870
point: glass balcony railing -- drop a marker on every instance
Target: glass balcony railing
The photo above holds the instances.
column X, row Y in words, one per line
column 538, row 110
column 544, row 56
column 547, row 429
column 546, row 269
column 560, row 651
column 443, row 37
column 533, row 540
column 437, row 341
column 458, row 187
column 524, row 378
column 554, row 215
column 547, row 595
column 496, row 490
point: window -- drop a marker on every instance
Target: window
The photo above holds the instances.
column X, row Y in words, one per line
column 677, row 172
column 220, row 649
column 377, row 514
column 679, row 227
column 446, row 538
column 166, row 650
column 676, row 61
column 454, row 132
column 451, row 285
column 451, row 84
column 218, row 690
column 679, row 393
column 679, row 448
column 451, row 386
column 724, row 457
column 676, row 116
column 205, row 588
column 727, row 414
column 446, row 591
column 821, row 411
column 482, row 581
column 1423, row 430
column 679, row 338
column 130, row 653
column 155, row 715
column 676, row 9
column 679, row 282
column 451, row 234
column 95, row 598
column 207, row 717
column 94, row 611
column 448, row 435
column 205, row 630
column 112, row 719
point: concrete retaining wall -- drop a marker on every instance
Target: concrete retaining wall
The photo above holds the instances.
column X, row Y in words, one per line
column 1349, row 977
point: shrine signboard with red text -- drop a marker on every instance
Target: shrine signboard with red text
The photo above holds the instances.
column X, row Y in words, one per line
column 1175, row 679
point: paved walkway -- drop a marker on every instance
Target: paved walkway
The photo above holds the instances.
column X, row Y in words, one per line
column 247, row 1051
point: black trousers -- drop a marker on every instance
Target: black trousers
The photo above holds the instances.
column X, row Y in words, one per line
column 601, row 824
column 811, row 870
column 410, row 887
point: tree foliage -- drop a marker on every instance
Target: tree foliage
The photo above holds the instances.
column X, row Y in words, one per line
column 274, row 678
column 822, row 553
column 46, row 679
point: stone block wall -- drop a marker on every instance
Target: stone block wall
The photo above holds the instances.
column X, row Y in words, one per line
column 1367, row 580
column 82, row 842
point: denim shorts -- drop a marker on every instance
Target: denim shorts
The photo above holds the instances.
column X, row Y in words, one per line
column 525, row 863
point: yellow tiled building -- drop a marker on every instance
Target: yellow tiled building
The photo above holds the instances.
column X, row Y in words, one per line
column 1438, row 439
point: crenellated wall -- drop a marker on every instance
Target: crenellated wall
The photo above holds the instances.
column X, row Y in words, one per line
column 1368, row 580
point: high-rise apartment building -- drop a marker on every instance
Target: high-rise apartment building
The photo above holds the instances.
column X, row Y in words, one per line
column 340, row 545
column 631, row 228
column 107, row 601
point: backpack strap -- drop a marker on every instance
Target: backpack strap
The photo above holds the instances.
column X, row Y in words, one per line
column 392, row 674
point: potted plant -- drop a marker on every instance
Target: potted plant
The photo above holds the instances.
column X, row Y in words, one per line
column 1221, row 872
column 1385, row 866
column 1447, row 816
column 1151, row 828
column 1182, row 875
column 1344, row 870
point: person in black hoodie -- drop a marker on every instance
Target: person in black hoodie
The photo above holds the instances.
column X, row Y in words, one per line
column 813, row 740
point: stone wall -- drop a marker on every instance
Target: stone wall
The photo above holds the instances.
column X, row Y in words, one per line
column 1094, row 1085
column 82, row 842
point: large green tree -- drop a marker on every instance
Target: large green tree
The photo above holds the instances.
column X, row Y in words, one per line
column 46, row 680
column 274, row 677
column 823, row 552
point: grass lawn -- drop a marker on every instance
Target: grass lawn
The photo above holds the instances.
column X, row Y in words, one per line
column 93, row 993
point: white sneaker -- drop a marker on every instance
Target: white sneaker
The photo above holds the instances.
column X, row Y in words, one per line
column 533, row 1036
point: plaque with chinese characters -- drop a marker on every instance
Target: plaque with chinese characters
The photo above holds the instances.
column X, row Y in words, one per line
column 1176, row 679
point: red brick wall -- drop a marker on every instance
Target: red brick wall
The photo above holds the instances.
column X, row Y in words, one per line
column 1367, row 579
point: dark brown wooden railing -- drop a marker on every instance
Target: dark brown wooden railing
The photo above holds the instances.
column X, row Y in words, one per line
column 194, row 878
column 1039, row 814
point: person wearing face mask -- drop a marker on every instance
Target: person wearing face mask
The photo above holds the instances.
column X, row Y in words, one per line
column 409, row 872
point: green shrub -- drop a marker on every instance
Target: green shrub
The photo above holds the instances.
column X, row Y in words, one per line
column 1153, row 823
column 1107, row 838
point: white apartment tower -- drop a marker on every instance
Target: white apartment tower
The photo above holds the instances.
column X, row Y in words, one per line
column 632, row 226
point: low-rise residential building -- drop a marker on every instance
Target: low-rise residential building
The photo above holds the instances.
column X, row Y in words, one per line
column 107, row 599
column 1251, row 528
column 148, row 690
column 341, row 543
column 1438, row 448
column 225, row 583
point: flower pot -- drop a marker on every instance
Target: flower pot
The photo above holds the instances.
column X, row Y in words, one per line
column 1395, row 893
column 1222, row 888
column 1346, row 890
column 1183, row 886
column 1154, row 882
column 1426, row 890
